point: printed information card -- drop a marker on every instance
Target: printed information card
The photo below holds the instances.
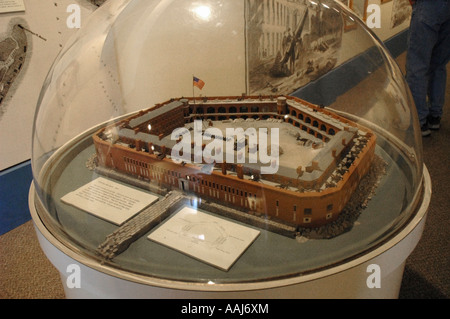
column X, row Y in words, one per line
column 109, row 200
column 11, row 6
column 207, row 238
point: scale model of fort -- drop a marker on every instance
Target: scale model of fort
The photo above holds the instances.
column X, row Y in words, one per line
column 322, row 156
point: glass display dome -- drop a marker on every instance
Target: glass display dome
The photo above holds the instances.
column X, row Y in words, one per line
column 225, row 142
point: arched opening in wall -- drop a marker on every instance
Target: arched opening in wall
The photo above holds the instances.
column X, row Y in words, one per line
column 232, row 109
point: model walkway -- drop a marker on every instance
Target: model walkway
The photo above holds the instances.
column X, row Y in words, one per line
column 118, row 241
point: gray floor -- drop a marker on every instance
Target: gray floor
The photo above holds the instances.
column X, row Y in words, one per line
column 427, row 273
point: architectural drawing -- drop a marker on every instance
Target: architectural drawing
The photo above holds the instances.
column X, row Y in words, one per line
column 13, row 55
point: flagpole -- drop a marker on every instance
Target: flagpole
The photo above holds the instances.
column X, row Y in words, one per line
column 193, row 90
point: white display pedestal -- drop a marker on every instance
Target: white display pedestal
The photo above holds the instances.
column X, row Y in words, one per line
column 376, row 274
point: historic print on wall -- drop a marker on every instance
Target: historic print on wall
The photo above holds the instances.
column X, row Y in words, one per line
column 401, row 12
column 289, row 44
column 360, row 8
column 349, row 23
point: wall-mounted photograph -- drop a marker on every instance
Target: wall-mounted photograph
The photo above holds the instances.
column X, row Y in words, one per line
column 401, row 12
column 289, row 43
column 360, row 8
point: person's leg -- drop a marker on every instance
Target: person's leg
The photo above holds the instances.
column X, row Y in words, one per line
column 438, row 72
column 423, row 35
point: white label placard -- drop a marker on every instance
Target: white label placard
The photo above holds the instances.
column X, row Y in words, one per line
column 109, row 200
column 11, row 6
column 210, row 239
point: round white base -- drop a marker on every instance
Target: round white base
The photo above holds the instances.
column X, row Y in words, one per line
column 376, row 274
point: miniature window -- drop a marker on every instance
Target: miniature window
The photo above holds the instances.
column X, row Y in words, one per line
column 307, row 211
column 330, row 207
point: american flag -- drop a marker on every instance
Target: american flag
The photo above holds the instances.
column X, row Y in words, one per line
column 198, row 83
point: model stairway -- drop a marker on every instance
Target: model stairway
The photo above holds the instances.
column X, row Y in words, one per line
column 118, row 241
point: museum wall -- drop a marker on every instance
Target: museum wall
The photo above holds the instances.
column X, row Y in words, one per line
column 386, row 19
column 47, row 26
column 48, row 33
column 47, row 39
column 395, row 16
column 159, row 62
